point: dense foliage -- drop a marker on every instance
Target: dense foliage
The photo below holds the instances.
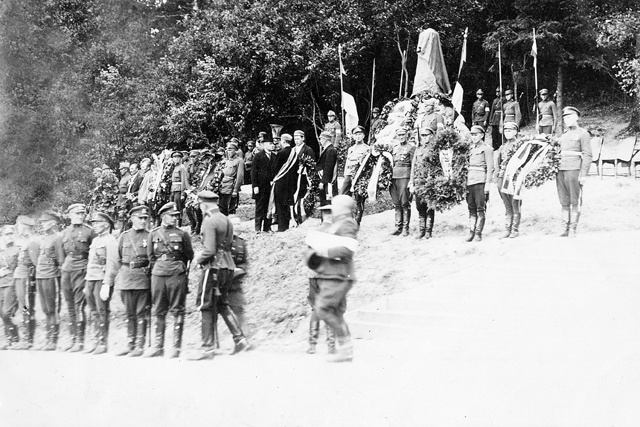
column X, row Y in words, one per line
column 87, row 82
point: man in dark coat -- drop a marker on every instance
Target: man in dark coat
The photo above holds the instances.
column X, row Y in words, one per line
column 264, row 169
column 326, row 167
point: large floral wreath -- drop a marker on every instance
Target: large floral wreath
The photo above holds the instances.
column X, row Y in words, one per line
column 378, row 157
column 313, row 185
column 431, row 184
column 547, row 167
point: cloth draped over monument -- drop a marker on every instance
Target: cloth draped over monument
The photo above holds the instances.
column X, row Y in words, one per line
column 431, row 72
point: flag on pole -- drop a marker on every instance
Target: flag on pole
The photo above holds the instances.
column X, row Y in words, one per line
column 348, row 101
column 458, row 91
column 534, row 50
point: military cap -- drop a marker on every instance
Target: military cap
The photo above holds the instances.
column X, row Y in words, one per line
column 358, row 129
column 331, row 113
column 193, row 153
column 141, row 211
column 287, row 137
column 477, row 129
column 124, row 164
column 544, row 92
column 512, row 126
column 375, row 110
column 177, row 154
column 508, row 92
column 401, row 130
column 168, row 209
column 145, row 160
column 427, row 129
column 220, row 152
column 326, row 134
column 325, row 208
column 25, row 220
column 77, row 207
column 498, row 89
column 250, row 143
column 567, row 111
column 342, row 204
column 101, row 217
column 232, row 144
column 479, row 92
column 207, row 196
column 49, row 216
column 297, row 133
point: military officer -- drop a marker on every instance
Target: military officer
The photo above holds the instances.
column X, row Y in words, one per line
column 495, row 120
column 170, row 253
column 213, row 289
column 50, row 258
column 232, row 179
column 575, row 160
column 480, row 110
column 76, row 240
column 24, row 277
column 376, row 124
column 355, row 156
column 511, row 109
column 333, row 127
column 179, row 183
column 331, row 256
column 546, row 114
column 123, row 187
column 134, row 284
column 402, row 157
column 478, row 181
column 432, row 118
column 511, row 204
column 426, row 214
column 102, row 268
column 8, row 298
column 327, row 168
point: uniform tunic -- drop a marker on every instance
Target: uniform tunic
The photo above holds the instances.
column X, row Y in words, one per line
column 512, row 112
column 575, row 161
column 50, row 259
column 123, row 187
column 480, row 174
column 134, row 283
column 8, row 298
column 76, row 240
column 480, row 112
column 402, row 158
column 355, row 155
column 547, row 112
column 336, row 130
column 28, row 250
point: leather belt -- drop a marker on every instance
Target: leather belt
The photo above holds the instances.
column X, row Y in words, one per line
column 137, row 264
column 571, row 153
column 74, row 255
column 171, row 257
column 48, row 261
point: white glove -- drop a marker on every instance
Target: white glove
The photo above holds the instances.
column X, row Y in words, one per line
column 256, row 190
column 104, row 292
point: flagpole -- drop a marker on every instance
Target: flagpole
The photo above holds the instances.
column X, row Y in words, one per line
column 535, row 71
column 501, row 103
column 344, row 124
column 373, row 85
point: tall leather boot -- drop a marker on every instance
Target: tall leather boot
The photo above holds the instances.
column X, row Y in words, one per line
column 406, row 217
column 565, row 220
column 573, row 225
column 331, row 339
column 79, row 345
column 101, row 337
column 516, row 226
column 473, row 221
column 422, row 225
column 399, row 222
column 344, row 351
column 508, row 222
column 431, row 219
column 73, row 332
column 208, row 339
column 141, row 337
column 49, row 328
column 94, row 323
column 178, row 326
column 31, row 328
column 314, row 332
column 241, row 343
column 480, row 226
column 359, row 214
column 132, row 327
column 158, row 347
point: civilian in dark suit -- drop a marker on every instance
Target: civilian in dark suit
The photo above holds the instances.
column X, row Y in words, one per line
column 264, row 169
column 327, row 169
column 299, row 176
column 283, row 195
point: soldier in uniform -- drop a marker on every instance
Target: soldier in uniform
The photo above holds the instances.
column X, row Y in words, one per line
column 331, row 256
column 134, row 185
column 495, row 120
column 265, row 168
column 8, row 298
column 123, row 187
column 431, row 119
column 50, row 259
column 575, row 160
column 24, row 277
column 333, row 127
column 232, row 180
column 134, row 284
column 145, row 184
column 511, row 205
column 355, row 155
column 402, row 157
column 327, row 168
column 248, row 161
column 511, row 109
column 376, row 123
column 170, row 253
column 546, row 114
column 480, row 110
column 102, row 268
column 478, row 181
column 76, row 240
column 213, row 288
column 426, row 215
column 179, row 183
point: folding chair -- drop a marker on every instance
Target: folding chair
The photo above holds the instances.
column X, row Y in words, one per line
column 625, row 153
column 617, row 152
column 596, row 148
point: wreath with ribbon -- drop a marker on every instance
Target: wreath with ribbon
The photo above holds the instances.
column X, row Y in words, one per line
column 431, row 184
column 376, row 165
column 313, row 184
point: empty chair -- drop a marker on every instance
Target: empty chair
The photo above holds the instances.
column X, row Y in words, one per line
column 596, row 148
column 615, row 152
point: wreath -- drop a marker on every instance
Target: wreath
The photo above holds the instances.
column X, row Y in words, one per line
column 431, row 184
column 366, row 168
column 313, row 181
column 216, row 181
column 545, row 171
